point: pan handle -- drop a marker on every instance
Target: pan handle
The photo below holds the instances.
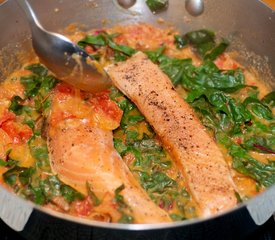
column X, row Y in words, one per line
column 14, row 211
column 262, row 207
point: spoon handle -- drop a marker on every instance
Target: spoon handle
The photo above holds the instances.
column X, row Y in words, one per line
column 25, row 5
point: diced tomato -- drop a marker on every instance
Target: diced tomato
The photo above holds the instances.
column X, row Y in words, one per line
column 83, row 207
column 16, row 132
column 238, row 141
column 220, row 61
column 6, row 117
column 161, row 204
column 10, row 128
column 63, row 88
column 222, row 57
column 25, row 133
column 120, row 39
column 234, row 65
column 97, row 32
column 89, row 49
column 102, row 102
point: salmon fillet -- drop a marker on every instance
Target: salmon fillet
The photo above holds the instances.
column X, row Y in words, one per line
column 181, row 132
column 81, row 152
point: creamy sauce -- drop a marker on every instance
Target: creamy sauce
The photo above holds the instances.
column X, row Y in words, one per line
column 89, row 109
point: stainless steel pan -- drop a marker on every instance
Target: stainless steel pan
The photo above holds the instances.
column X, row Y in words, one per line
column 250, row 25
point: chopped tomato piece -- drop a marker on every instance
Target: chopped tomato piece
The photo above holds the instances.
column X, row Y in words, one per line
column 220, row 61
column 89, row 49
column 63, row 88
column 83, row 207
column 234, row 65
column 6, row 117
column 10, row 128
column 16, row 132
column 238, row 141
column 97, row 32
column 25, row 133
column 102, row 102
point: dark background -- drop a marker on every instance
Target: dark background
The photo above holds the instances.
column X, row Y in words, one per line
column 265, row 232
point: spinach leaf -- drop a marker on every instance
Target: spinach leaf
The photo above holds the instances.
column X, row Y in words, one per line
column 70, row 194
column 21, row 174
column 38, row 69
column 155, row 54
column 125, row 218
column 259, row 109
column 209, row 76
column 223, row 103
column 156, row 182
column 8, row 163
column 39, row 150
column 200, row 36
column 269, row 99
column 157, row 5
column 204, row 42
column 175, row 68
column 97, row 40
column 121, row 48
column 52, row 187
column 265, row 144
column 121, row 52
column 39, row 82
column 123, row 208
column 92, row 195
column 245, row 164
column 180, row 41
column 135, row 119
column 16, row 105
column 181, row 71
column 216, row 51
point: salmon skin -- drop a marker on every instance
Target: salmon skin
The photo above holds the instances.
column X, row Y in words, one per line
column 82, row 152
column 180, row 130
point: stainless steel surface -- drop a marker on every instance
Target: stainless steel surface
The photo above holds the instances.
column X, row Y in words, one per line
column 194, row 7
column 247, row 23
column 126, row 3
column 65, row 59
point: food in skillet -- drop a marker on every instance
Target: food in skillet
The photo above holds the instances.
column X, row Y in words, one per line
column 146, row 156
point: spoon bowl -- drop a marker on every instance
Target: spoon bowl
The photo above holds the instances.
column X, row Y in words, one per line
column 67, row 61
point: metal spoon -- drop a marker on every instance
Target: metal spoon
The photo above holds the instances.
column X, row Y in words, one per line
column 66, row 60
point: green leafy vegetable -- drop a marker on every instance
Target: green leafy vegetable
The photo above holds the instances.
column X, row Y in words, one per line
column 200, row 37
column 39, row 82
column 244, row 163
column 180, row 41
column 216, row 51
column 16, row 105
column 103, row 39
column 8, row 163
column 156, row 182
column 269, row 99
column 39, row 150
column 204, row 42
column 92, row 195
column 156, row 54
column 21, row 174
column 122, row 206
column 125, row 218
column 157, row 5
column 38, row 69
column 258, row 108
